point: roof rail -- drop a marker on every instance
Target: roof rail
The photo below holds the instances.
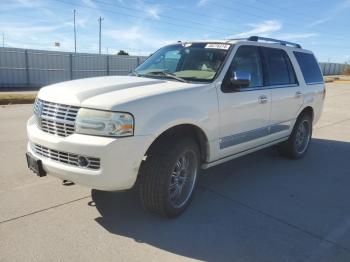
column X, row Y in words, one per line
column 266, row 39
column 281, row 42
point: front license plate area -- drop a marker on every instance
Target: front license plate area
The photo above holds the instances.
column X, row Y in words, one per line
column 35, row 165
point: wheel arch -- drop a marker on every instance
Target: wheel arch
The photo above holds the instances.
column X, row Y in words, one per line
column 307, row 110
column 182, row 130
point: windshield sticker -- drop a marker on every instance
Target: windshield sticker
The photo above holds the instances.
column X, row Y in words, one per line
column 218, row 46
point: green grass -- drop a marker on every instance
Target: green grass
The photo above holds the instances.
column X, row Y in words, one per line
column 6, row 98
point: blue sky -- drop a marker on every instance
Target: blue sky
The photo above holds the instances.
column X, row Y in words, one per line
column 142, row 26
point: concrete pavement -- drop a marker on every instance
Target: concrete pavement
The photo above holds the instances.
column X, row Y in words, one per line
column 260, row 207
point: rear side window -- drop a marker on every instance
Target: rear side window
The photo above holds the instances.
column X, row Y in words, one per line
column 309, row 67
column 278, row 66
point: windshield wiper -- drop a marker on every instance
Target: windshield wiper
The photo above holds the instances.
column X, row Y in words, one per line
column 135, row 73
column 166, row 74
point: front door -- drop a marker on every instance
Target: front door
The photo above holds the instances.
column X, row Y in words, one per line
column 244, row 112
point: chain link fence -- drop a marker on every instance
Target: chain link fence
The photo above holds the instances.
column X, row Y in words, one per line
column 21, row 68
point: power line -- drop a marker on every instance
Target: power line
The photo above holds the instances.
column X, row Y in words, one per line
column 177, row 24
column 265, row 10
column 240, row 12
column 159, row 15
column 228, row 21
column 262, row 17
column 301, row 12
column 147, row 18
column 186, row 27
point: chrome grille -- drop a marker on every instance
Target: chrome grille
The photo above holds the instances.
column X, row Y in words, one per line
column 66, row 158
column 56, row 119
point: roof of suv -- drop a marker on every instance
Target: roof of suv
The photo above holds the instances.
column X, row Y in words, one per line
column 251, row 39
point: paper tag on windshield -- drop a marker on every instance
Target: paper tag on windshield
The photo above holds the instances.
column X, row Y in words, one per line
column 218, row 46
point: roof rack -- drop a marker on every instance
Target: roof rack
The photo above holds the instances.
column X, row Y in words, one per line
column 266, row 39
column 257, row 38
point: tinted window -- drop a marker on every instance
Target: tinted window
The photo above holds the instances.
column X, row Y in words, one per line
column 247, row 59
column 278, row 66
column 309, row 67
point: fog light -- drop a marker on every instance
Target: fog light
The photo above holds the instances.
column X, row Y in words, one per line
column 83, row 161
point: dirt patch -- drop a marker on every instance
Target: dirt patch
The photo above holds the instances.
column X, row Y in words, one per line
column 17, row 98
column 337, row 79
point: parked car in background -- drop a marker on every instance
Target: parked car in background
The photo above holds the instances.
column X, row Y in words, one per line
column 190, row 105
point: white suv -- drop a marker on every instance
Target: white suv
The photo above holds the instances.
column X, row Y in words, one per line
column 190, row 105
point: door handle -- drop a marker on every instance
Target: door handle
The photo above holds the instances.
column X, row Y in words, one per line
column 298, row 94
column 262, row 99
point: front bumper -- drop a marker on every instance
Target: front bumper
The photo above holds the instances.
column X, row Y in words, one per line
column 120, row 159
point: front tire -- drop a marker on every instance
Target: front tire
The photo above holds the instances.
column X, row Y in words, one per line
column 168, row 177
column 299, row 141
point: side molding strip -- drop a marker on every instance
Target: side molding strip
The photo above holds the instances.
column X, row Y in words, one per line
column 247, row 136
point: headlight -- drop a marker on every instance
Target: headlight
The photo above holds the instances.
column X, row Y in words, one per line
column 104, row 123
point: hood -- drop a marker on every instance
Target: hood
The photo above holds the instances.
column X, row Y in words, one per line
column 106, row 92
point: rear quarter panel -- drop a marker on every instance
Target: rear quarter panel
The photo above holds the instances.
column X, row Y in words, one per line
column 313, row 94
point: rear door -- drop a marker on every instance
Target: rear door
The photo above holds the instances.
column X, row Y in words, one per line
column 286, row 93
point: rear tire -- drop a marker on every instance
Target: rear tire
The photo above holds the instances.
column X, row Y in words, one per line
column 168, row 177
column 299, row 141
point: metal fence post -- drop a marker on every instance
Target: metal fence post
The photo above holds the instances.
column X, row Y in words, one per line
column 71, row 66
column 27, row 67
column 138, row 61
column 107, row 68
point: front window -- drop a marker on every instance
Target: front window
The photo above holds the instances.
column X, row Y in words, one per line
column 199, row 62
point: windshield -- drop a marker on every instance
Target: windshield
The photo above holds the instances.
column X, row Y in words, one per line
column 186, row 61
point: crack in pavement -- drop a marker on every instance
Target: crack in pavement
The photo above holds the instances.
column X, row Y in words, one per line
column 316, row 236
column 45, row 209
column 280, row 220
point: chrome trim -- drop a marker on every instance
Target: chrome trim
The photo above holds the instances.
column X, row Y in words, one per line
column 262, row 99
column 298, row 94
column 250, row 135
column 56, row 119
column 65, row 157
column 314, row 83
column 265, row 87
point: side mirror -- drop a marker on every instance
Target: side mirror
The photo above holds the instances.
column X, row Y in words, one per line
column 240, row 79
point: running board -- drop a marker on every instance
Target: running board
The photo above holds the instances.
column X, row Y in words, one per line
column 228, row 158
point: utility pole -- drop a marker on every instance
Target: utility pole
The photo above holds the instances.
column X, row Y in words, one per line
column 75, row 34
column 100, row 22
